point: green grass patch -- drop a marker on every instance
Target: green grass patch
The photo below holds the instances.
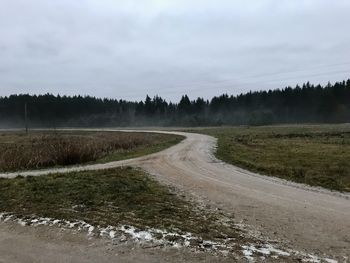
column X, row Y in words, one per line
column 317, row 155
column 36, row 150
column 109, row 197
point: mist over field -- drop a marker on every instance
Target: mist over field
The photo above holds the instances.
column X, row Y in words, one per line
column 302, row 104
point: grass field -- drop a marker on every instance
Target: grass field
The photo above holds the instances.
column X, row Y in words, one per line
column 317, row 155
column 19, row 151
column 109, row 197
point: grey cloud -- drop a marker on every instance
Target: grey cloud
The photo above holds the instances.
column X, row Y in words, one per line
column 127, row 49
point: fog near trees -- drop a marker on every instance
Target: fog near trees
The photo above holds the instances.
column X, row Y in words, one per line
column 301, row 104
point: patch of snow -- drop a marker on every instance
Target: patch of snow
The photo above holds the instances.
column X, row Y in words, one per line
column 137, row 235
column 266, row 250
column 8, row 218
column 177, row 245
column 272, row 249
column 2, row 215
column 123, row 238
column 312, row 259
column 247, row 253
column 72, row 225
column 112, row 234
column 55, row 222
column 21, row 222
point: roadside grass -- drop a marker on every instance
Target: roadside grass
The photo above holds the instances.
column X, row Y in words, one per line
column 109, row 197
column 317, row 155
column 36, row 150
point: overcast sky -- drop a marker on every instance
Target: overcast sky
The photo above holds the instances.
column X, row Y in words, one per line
column 130, row 48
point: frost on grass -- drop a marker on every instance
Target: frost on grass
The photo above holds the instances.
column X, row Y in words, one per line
column 123, row 233
column 265, row 250
column 251, row 252
column 152, row 237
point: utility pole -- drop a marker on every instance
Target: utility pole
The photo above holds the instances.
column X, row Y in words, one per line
column 26, row 117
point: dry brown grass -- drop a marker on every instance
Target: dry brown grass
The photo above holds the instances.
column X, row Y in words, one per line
column 39, row 150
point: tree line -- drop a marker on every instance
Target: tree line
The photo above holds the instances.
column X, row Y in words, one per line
column 301, row 104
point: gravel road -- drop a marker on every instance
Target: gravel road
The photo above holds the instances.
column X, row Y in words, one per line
column 307, row 219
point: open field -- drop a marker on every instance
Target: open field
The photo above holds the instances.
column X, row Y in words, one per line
column 306, row 223
column 317, row 155
column 36, row 150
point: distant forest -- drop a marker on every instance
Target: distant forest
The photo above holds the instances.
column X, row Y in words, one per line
column 301, row 104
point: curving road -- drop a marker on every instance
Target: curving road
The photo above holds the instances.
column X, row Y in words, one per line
column 308, row 219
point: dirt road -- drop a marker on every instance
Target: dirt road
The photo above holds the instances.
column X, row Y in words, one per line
column 53, row 245
column 308, row 219
column 311, row 219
